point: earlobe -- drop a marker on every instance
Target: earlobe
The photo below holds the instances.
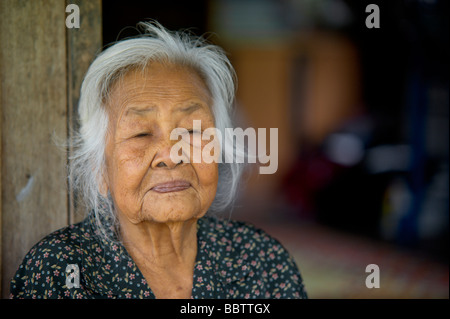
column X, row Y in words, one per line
column 103, row 186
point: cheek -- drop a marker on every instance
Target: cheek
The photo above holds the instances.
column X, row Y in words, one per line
column 127, row 169
column 133, row 153
column 208, row 176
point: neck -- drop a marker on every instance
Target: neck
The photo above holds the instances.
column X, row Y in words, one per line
column 161, row 244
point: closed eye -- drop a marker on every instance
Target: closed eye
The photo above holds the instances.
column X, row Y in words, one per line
column 142, row 135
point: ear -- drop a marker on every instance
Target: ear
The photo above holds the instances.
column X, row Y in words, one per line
column 103, row 183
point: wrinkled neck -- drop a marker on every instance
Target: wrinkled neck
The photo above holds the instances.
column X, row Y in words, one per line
column 160, row 244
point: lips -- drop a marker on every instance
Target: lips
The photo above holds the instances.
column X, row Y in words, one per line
column 173, row 186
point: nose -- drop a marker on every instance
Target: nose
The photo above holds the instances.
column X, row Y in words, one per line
column 162, row 164
column 162, row 158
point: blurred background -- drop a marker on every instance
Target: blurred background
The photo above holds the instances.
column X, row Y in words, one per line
column 362, row 116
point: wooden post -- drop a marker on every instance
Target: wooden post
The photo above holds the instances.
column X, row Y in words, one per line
column 42, row 63
column 83, row 45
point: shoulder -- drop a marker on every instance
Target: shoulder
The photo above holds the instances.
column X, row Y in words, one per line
column 63, row 244
column 43, row 268
column 242, row 235
column 259, row 257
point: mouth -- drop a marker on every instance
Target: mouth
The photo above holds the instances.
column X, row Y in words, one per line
column 172, row 186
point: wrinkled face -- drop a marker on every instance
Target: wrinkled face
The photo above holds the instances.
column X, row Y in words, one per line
column 143, row 108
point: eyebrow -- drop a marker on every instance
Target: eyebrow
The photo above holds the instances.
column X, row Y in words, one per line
column 189, row 109
column 182, row 109
column 140, row 111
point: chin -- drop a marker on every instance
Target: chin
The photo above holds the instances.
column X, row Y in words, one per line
column 173, row 207
column 164, row 214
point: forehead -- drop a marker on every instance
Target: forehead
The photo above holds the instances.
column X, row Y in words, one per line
column 158, row 86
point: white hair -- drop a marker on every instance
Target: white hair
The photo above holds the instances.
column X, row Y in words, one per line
column 87, row 162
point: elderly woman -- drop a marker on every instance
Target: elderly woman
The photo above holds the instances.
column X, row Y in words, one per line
column 151, row 230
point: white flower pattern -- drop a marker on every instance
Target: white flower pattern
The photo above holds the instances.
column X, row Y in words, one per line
column 234, row 260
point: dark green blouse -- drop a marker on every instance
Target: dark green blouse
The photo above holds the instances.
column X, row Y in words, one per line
column 234, row 260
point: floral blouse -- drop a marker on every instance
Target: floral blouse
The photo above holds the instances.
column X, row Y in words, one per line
column 234, row 260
